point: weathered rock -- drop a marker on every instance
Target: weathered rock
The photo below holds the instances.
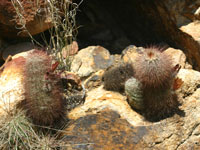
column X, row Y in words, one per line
column 27, row 81
column 183, row 12
column 177, row 56
column 130, row 53
column 94, row 80
column 33, row 15
column 106, row 121
column 12, row 89
column 192, row 29
column 17, row 48
column 152, row 23
column 191, row 83
column 90, row 60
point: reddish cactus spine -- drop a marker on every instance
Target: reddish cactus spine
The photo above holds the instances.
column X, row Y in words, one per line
column 44, row 103
column 154, row 70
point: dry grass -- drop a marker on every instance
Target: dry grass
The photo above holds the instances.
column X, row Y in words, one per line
column 17, row 133
column 62, row 14
column 16, row 130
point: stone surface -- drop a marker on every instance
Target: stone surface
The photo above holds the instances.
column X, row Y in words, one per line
column 11, row 85
column 106, row 121
column 152, row 22
column 17, row 48
column 33, row 15
column 178, row 57
column 191, row 83
column 183, row 11
column 90, row 60
column 192, row 29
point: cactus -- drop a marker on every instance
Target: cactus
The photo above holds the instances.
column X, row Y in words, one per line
column 115, row 77
column 43, row 99
column 156, row 74
column 134, row 93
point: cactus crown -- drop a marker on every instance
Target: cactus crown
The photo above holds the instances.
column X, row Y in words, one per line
column 154, row 68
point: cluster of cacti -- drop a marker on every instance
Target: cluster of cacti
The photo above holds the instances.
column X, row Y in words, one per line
column 43, row 99
column 150, row 89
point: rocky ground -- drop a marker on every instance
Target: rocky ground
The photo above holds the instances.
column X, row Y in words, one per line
column 105, row 120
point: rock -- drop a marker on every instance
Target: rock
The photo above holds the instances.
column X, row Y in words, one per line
column 191, row 80
column 90, row 60
column 33, row 16
column 26, row 83
column 192, row 29
column 94, row 81
column 157, row 22
column 106, row 121
column 99, row 99
column 177, row 56
column 17, row 48
column 104, row 130
column 183, row 12
column 130, row 53
column 3, row 44
column 12, row 89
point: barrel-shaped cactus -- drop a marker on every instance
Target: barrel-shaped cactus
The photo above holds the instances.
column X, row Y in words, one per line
column 28, row 82
column 43, row 99
column 154, row 70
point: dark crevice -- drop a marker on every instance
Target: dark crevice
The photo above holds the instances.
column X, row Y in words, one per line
column 117, row 24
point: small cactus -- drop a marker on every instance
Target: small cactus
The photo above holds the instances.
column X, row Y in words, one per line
column 133, row 90
column 114, row 78
column 156, row 74
column 43, row 99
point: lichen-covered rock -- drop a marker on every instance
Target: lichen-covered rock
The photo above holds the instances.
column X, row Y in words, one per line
column 106, row 121
column 192, row 29
column 177, row 56
column 191, row 83
column 32, row 14
column 183, row 12
column 17, row 48
column 90, row 60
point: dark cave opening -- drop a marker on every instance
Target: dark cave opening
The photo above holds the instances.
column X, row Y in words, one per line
column 118, row 24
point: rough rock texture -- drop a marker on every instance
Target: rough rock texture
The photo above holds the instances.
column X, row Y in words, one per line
column 106, row 121
column 17, row 48
column 91, row 59
column 35, row 18
column 183, row 11
column 177, row 55
column 11, row 85
column 150, row 22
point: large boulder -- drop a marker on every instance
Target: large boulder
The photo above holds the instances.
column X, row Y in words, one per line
column 106, row 121
column 14, row 14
